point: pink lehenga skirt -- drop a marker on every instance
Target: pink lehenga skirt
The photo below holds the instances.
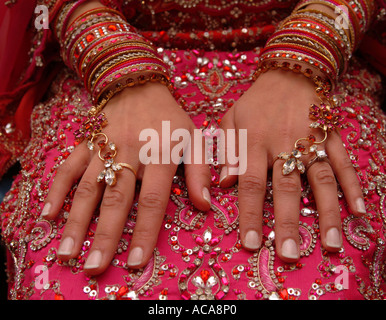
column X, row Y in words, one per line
column 199, row 254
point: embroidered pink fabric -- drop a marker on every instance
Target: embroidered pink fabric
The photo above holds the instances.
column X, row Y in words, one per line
column 198, row 254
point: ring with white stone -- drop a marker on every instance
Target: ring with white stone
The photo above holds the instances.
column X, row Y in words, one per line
column 108, row 175
column 321, row 155
column 292, row 162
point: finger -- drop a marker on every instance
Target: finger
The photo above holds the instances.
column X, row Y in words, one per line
column 324, row 187
column 229, row 171
column 67, row 174
column 286, row 199
column 198, row 184
column 114, row 209
column 197, row 172
column 345, row 173
column 86, row 199
column 251, row 190
column 153, row 199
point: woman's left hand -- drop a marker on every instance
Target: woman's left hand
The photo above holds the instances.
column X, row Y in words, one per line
column 275, row 112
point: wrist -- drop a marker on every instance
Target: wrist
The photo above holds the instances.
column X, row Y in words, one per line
column 285, row 82
column 141, row 99
column 146, row 91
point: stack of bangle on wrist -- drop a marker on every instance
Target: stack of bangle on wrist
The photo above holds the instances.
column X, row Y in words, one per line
column 108, row 54
column 311, row 42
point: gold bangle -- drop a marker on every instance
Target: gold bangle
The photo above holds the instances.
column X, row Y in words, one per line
column 110, row 62
column 135, row 50
column 102, row 48
column 99, row 73
column 333, row 7
column 288, row 53
column 316, row 46
column 318, row 33
column 134, row 79
column 322, row 17
column 307, row 11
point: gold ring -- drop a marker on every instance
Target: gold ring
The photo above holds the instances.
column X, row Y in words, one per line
column 321, row 155
column 127, row 166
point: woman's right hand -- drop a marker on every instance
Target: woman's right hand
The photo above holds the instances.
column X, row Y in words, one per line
column 128, row 113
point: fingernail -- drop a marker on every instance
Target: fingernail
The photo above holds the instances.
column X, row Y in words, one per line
column 223, row 174
column 333, row 238
column 289, row 249
column 94, row 260
column 206, row 195
column 66, row 246
column 361, row 206
column 135, row 257
column 46, row 210
column 252, row 240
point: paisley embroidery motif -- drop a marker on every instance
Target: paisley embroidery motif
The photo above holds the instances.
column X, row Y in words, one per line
column 307, row 239
column 42, row 234
column 262, row 276
column 225, row 206
column 355, row 230
column 214, row 86
column 145, row 279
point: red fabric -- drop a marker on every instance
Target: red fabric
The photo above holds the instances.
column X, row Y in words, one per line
column 22, row 83
column 13, row 35
column 375, row 53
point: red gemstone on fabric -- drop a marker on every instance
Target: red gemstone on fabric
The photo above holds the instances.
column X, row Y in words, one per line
column 122, row 291
column 283, row 293
column 204, row 275
column 58, row 296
